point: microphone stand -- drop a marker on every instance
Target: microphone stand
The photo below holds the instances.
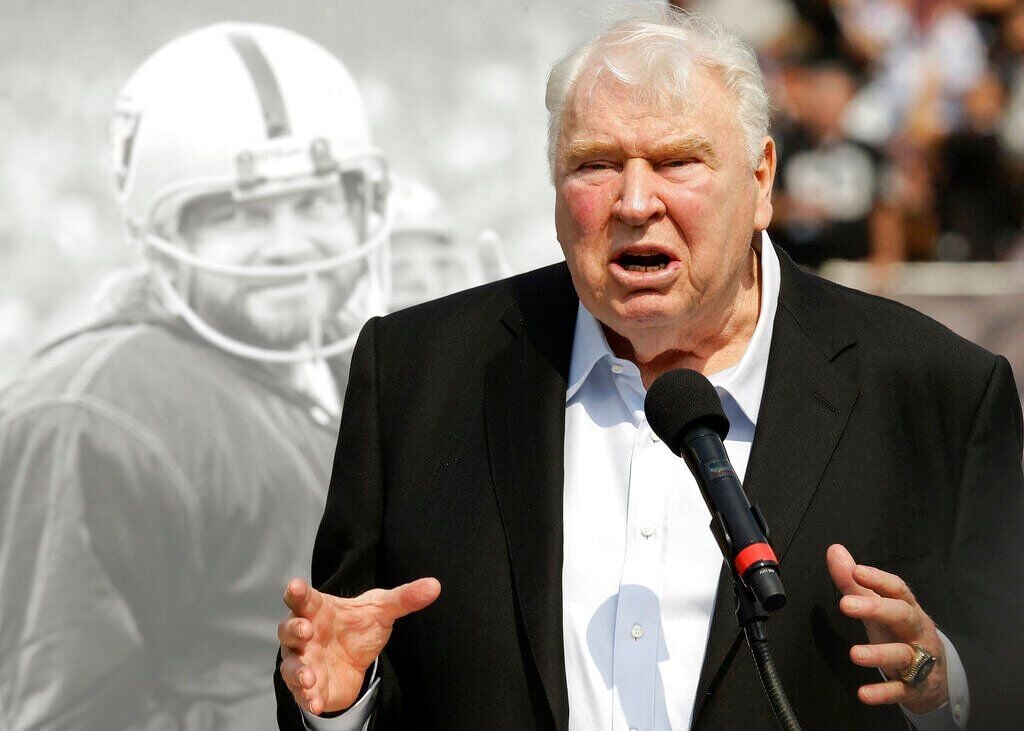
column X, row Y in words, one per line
column 753, row 620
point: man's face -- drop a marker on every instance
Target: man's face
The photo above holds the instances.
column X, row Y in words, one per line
column 283, row 230
column 656, row 204
column 424, row 266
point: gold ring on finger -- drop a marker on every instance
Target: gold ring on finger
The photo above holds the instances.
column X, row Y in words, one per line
column 920, row 666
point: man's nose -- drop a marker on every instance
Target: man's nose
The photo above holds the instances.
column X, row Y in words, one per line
column 286, row 241
column 639, row 201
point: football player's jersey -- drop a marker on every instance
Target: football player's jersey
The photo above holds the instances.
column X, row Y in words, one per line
column 156, row 495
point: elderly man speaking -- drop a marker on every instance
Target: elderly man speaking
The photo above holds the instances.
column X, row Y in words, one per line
column 495, row 441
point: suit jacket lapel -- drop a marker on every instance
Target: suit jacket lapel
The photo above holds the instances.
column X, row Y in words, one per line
column 524, row 406
column 804, row 410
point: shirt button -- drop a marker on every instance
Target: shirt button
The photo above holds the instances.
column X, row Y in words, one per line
column 956, row 712
column 633, row 728
column 655, row 438
column 616, row 368
column 320, row 415
column 647, row 531
column 636, row 631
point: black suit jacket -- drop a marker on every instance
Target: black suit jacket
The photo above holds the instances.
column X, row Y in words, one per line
column 878, row 429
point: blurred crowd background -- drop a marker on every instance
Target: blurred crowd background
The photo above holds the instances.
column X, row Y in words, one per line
column 899, row 123
column 900, row 132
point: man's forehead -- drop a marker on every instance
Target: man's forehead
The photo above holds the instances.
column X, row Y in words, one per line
column 659, row 95
column 598, row 97
column 607, row 114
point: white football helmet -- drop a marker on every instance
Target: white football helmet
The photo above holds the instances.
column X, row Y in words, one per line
column 251, row 111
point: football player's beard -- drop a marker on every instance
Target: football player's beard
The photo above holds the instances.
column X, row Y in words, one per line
column 275, row 317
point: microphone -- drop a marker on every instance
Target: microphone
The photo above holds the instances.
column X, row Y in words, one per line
column 684, row 410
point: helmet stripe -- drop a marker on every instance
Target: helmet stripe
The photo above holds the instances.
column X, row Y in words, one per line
column 267, row 89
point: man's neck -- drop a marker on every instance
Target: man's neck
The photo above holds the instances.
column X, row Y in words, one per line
column 710, row 346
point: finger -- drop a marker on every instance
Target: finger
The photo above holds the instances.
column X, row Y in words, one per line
column 299, row 678
column 878, row 694
column 890, row 656
column 404, row 599
column 841, row 566
column 302, row 599
column 899, row 617
column 302, row 682
column 884, row 583
column 294, row 633
column 316, row 705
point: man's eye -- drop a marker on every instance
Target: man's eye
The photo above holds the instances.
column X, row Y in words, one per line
column 681, row 162
column 597, row 165
column 237, row 216
column 306, row 202
column 251, row 216
column 324, row 205
column 221, row 216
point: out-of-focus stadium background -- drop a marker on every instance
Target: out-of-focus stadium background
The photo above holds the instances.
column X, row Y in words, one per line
column 900, row 126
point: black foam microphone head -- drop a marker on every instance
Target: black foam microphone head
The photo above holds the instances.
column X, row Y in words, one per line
column 681, row 400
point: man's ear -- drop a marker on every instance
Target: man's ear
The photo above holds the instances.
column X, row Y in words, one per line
column 764, row 175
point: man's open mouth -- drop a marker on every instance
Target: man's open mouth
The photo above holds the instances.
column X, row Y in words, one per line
column 643, row 262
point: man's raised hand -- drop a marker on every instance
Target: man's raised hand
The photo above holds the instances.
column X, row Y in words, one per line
column 894, row 621
column 327, row 642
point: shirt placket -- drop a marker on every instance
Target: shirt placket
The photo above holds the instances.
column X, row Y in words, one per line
column 637, row 634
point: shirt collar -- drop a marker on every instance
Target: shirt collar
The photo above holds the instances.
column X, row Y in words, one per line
column 589, row 347
column 744, row 382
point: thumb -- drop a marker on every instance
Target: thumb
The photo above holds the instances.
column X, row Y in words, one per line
column 840, row 566
column 302, row 599
column 409, row 598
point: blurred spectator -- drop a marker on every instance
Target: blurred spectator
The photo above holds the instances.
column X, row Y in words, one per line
column 819, row 19
column 925, row 54
column 422, row 245
column 427, row 261
column 828, row 187
column 1009, row 59
column 899, row 123
column 944, row 135
column 978, row 202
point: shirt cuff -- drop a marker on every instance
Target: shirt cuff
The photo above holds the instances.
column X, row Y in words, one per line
column 952, row 715
column 355, row 718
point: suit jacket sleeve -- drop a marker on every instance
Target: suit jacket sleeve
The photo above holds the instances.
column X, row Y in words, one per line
column 345, row 556
column 986, row 564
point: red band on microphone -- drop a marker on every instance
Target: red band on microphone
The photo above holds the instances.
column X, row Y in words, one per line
column 752, row 554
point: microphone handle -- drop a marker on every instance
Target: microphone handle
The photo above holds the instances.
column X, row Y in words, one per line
column 739, row 528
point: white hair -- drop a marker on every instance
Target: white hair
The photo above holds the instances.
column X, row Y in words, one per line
column 654, row 52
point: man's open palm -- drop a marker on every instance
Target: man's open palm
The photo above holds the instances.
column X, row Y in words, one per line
column 327, row 642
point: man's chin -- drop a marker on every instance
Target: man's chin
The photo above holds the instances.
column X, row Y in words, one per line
column 645, row 309
column 251, row 322
column 279, row 321
column 267, row 334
